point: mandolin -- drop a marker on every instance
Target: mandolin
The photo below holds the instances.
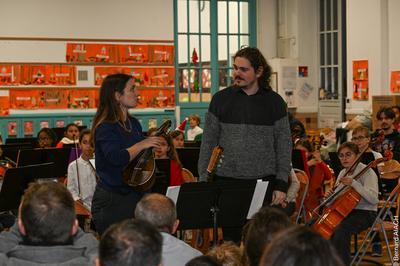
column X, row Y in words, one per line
column 139, row 173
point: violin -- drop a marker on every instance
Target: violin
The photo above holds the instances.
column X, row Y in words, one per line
column 342, row 205
column 139, row 173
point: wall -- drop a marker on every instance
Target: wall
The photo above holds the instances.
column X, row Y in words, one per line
column 373, row 34
column 119, row 19
column 297, row 23
column 367, row 40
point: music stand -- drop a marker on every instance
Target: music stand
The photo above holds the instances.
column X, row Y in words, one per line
column 162, row 176
column 58, row 156
column 191, row 144
column 217, row 204
column 18, row 141
column 10, row 151
column 16, row 180
column 189, row 158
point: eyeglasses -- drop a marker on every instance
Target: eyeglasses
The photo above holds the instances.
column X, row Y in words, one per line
column 347, row 155
column 358, row 138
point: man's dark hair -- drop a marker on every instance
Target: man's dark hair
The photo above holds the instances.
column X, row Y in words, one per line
column 300, row 246
column 257, row 60
column 388, row 111
column 262, row 227
column 158, row 210
column 130, row 242
column 48, row 214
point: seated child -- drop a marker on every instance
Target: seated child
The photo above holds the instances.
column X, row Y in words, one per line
column 71, row 135
column 46, row 138
column 167, row 151
column 194, row 130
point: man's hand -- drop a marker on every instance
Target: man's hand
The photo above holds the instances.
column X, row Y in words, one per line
column 278, row 197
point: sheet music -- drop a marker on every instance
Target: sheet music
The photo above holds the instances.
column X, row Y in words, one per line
column 258, row 197
column 173, row 192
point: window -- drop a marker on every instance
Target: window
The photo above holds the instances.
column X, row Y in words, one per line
column 207, row 35
column 330, row 50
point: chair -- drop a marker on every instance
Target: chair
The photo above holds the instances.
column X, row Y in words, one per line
column 304, row 183
column 188, row 176
column 380, row 225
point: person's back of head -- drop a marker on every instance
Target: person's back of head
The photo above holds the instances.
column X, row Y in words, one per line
column 130, row 242
column 203, row 260
column 159, row 211
column 47, row 215
column 261, row 229
column 228, row 254
column 299, row 246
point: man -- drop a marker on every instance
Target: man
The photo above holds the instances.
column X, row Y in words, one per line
column 130, row 243
column 160, row 211
column 47, row 231
column 262, row 227
column 250, row 122
column 391, row 142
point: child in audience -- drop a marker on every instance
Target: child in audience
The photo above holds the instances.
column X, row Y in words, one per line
column 167, row 151
column 178, row 138
column 194, row 130
column 83, row 170
column 46, row 138
column 228, row 254
column 71, row 135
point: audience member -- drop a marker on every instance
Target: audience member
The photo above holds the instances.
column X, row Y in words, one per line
column 264, row 225
column 299, row 246
column 228, row 254
column 130, row 243
column 203, row 260
column 46, row 138
column 47, row 232
column 81, row 181
column 71, row 135
column 160, row 211
column 194, row 130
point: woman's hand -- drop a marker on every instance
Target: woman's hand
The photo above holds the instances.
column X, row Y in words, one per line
column 150, row 142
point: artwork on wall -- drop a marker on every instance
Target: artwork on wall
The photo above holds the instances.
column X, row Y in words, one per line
column 395, row 81
column 360, row 80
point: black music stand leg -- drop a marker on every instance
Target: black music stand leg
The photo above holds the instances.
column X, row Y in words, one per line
column 214, row 211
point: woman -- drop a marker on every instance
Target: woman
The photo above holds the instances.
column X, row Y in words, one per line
column 363, row 215
column 118, row 140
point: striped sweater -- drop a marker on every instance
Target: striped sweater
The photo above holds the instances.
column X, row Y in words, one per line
column 254, row 133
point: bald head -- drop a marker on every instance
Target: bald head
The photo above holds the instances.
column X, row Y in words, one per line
column 158, row 210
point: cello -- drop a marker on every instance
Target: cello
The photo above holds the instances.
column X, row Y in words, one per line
column 139, row 173
column 342, row 205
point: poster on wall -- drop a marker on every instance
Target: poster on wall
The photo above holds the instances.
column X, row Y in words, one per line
column 360, row 80
column 395, row 81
